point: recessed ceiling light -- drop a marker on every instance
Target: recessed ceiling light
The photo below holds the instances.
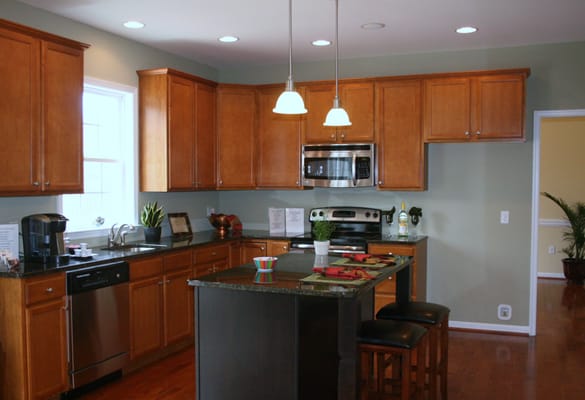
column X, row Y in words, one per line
column 133, row 24
column 321, row 42
column 228, row 39
column 466, row 29
column 370, row 26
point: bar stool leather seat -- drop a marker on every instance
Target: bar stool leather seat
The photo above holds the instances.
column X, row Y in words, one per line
column 434, row 317
column 384, row 344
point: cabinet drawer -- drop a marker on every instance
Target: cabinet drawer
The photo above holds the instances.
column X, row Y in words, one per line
column 400, row 250
column 146, row 268
column 206, row 254
column 178, row 260
column 43, row 289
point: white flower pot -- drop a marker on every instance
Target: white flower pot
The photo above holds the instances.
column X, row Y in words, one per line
column 321, row 248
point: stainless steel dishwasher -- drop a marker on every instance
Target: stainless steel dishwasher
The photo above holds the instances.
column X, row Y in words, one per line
column 99, row 338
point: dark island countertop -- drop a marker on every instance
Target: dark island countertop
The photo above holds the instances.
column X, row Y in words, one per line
column 288, row 276
column 24, row 269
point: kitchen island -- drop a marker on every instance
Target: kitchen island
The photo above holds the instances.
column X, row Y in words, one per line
column 294, row 338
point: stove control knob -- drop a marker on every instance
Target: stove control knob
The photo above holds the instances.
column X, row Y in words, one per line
column 367, row 214
column 313, row 214
column 376, row 215
column 321, row 213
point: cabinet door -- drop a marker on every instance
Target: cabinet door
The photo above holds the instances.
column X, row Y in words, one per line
column 62, row 80
column 401, row 150
column 236, row 110
column 181, row 135
column 358, row 100
column 205, row 137
column 19, row 113
column 251, row 249
column 279, row 144
column 447, row 109
column 178, row 306
column 277, row 247
column 46, row 349
column 498, row 107
column 146, row 308
column 318, row 101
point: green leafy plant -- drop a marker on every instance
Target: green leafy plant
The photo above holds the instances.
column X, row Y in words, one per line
column 152, row 215
column 575, row 235
column 322, row 230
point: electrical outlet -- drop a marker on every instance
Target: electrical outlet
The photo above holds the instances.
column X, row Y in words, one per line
column 504, row 217
column 210, row 210
column 552, row 250
column 504, row 312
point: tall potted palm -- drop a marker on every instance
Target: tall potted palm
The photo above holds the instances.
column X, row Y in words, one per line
column 574, row 236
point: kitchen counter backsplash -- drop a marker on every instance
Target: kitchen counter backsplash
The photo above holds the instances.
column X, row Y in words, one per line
column 102, row 255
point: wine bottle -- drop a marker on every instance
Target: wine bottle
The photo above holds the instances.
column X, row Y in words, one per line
column 403, row 221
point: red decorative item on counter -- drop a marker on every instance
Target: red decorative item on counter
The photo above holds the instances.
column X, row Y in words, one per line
column 343, row 273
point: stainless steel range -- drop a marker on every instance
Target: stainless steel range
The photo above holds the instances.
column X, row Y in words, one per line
column 354, row 226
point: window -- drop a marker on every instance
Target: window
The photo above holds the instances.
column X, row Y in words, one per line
column 109, row 161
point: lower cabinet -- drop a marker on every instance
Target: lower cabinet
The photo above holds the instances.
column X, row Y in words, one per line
column 212, row 258
column 261, row 248
column 33, row 338
column 161, row 302
column 386, row 292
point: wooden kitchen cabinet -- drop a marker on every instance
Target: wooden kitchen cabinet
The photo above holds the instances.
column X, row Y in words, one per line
column 262, row 248
column 357, row 98
column 33, row 334
column 177, row 131
column 278, row 161
column 386, row 292
column 401, row 149
column 212, row 258
column 475, row 107
column 161, row 304
column 41, row 115
column 236, row 127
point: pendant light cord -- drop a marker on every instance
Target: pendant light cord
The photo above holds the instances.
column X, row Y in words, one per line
column 290, row 40
column 337, row 50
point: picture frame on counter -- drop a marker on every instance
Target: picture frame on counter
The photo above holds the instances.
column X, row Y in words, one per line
column 180, row 225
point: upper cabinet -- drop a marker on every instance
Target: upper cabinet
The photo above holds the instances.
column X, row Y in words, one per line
column 357, row 98
column 401, row 149
column 236, row 128
column 41, row 112
column 464, row 107
column 278, row 146
column 177, row 131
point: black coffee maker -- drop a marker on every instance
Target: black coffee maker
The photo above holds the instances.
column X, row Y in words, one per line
column 42, row 237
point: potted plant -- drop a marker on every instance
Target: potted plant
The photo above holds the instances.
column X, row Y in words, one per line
column 322, row 231
column 574, row 264
column 151, row 218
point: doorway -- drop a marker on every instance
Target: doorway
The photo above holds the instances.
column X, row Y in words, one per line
column 534, row 250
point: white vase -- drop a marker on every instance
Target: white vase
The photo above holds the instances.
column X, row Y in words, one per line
column 321, row 247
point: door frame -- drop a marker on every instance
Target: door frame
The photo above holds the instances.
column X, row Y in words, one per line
column 538, row 116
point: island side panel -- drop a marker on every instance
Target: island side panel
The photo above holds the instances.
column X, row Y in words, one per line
column 245, row 345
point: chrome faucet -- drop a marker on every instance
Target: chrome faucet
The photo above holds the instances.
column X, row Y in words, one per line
column 117, row 235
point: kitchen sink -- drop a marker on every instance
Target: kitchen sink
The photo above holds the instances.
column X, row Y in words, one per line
column 135, row 247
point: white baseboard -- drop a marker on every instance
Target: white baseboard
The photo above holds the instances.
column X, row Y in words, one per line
column 524, row 329
column 551, row 275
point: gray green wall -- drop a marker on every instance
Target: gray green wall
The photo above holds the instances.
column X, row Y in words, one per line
column 474, row 262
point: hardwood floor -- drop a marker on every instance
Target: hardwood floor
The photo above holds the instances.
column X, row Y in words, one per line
column 482, row 366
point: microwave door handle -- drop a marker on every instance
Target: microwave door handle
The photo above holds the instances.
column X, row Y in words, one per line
column 353, row 169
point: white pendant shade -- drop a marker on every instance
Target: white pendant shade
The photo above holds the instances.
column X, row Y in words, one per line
column 289, row 101
column 337, row 116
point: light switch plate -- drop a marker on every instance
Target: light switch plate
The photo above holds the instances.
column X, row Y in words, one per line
column 504, row 217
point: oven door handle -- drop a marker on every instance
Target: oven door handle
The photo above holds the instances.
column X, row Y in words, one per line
column 354, row 169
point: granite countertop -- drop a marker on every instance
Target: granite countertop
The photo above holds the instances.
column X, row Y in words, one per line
column 290, row 270
column 24, row 270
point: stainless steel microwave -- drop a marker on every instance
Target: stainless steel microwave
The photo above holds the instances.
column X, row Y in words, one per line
column 338, row 165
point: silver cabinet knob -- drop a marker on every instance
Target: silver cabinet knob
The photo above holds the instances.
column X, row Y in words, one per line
column 36, row 183
column 478, row 133
column 466, row 133
column 49, row 290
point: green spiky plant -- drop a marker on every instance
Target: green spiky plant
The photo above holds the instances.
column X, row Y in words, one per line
column 575, row 235
column 322, row 230
column 152, row 215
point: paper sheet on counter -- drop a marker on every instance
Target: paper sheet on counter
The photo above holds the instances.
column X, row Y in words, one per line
column 276, row 220
column 295, row 220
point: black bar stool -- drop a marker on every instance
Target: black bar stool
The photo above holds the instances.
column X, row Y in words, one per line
column 387, row 350
column 434, row 317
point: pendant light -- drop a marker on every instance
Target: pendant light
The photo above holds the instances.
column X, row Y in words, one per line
column 337, row 116
column 289, row 101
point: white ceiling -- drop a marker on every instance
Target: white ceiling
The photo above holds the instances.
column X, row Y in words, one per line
column 190, row 28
